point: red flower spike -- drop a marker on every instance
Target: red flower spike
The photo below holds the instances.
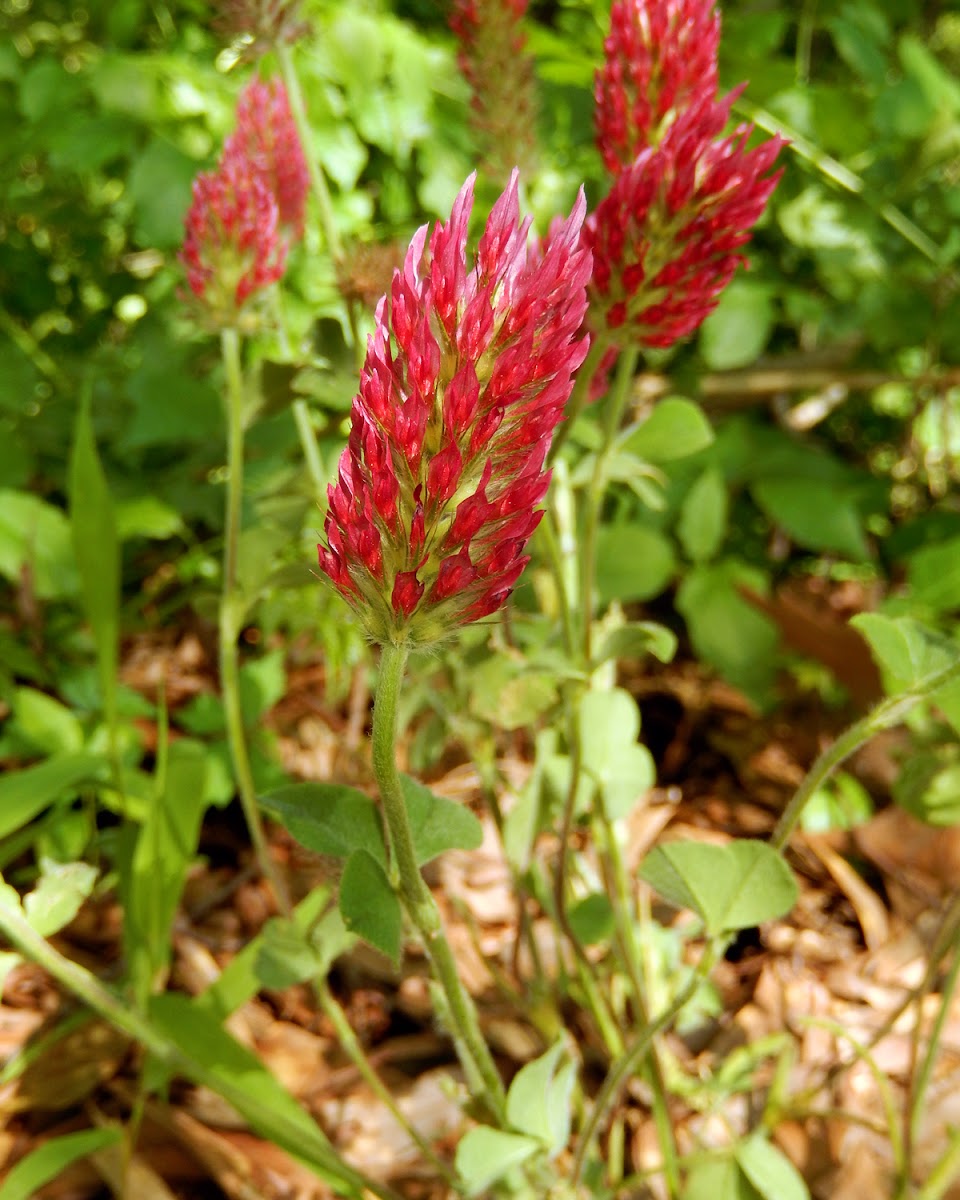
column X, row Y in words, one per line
column 465, row 380
column 665, row 239
column 493, row 59
column 660, row 58
column 232, row 249
column 266, row 137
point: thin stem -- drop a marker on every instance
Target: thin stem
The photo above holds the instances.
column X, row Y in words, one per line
column 231, row 617
column 593, row 503
column 355, row 1052
column 308, row 444
column 628, row 1064
column 88, row 989
column 417, row 898
column 318, row 180
column 887, row 713
column 579, row 395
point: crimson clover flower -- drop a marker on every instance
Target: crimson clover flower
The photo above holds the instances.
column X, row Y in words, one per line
column 266, row 137
column 493, row 59
column 233, row 248
column 665, row 239
column 466, row 377
column 660, row 58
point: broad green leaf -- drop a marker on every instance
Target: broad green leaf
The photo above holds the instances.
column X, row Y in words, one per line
column 908, row 653
column 675, row 429
column 717, row 1179
column 29, row 791
column 165, row 847
column 819, row 516
column 58, row 896
column 929, row 789
column 369, row 905
column 769, row 1170
column 35, row 536
column 703, row 516
column 611, row 756
column 637, row 639
column 51, row 1159
column 591, row 918
column 97, row 550
column 44, row 723
column 736, row 333
column 263, row 681
column 328, row 818
column 241, row 979
column 485, row 1155
column 438, row 824
column 237, row 1074
column 633, row 562
column 731, row 887
column 934, row 575
column 538, row 1102
column 290, row 953
column 726, row 631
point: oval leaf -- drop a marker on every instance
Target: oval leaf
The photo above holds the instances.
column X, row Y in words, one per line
column 328, row 818
column 485, row 1155
column 730, row 887
column 438, row 824
column 369, row 905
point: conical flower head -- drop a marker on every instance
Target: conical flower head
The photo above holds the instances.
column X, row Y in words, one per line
column 660, row 58
column 266, row 138
column 666, row 238
column 465, row 379
column 232, row 249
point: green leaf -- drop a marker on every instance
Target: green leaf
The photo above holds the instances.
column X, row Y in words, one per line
column 369, row 905
column 58, row 896
column 538, row 1102
column 675, row 429
column 44, row 723
column 263, row 682
column 934, row 575
column 637, row 639
column 737, row 331
column 35, row 536
column 328, row 818
column 51, row 1159
column 292, row 953
column 438, row 824
column 591, row 918
column 26, row 792
column 485, row 1155
column 633, row 562
column 769, row 1170
column 703, row 516
column 717, row 1179
column 621, row 768
column 237, row 1074
column 165, row 847
column 726, row 631
column 159, row 186
column 97, row 551
column 731, row 887
column 908, row 653
column 819, row 516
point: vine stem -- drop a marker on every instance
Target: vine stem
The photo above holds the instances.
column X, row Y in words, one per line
column 87, row 988
column 416, row 897
column 231, row 618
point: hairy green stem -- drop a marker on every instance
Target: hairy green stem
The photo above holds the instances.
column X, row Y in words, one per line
column 416, row 897
column 85, row 986
column 628, row 1064
column 593, row 502
column 231, row 618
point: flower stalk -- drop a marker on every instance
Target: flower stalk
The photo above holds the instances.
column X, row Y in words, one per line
column 416, row 897
column 231, row 617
